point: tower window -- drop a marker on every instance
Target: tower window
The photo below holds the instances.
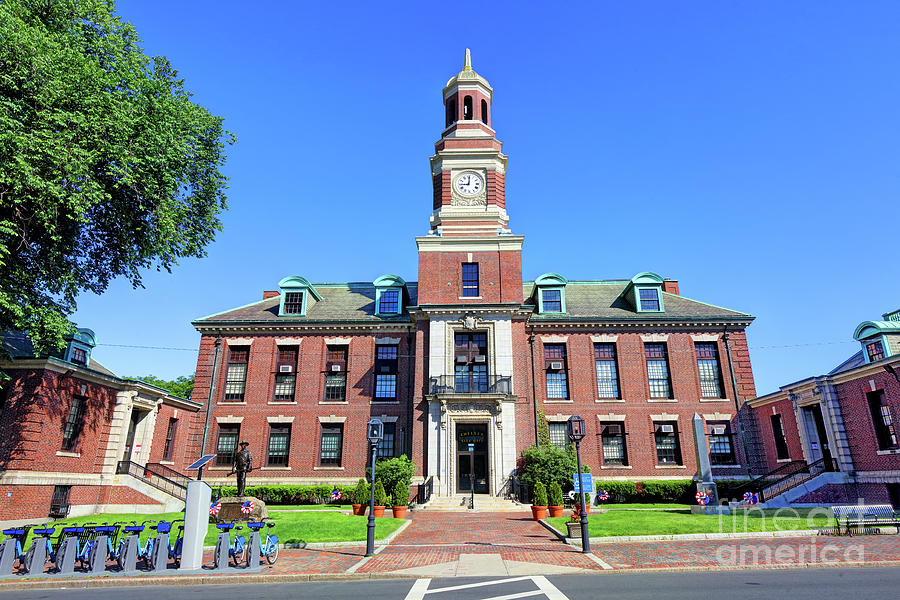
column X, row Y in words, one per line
column 451, row 113
column 470, row 280
column 484, row 112
column 467, row 108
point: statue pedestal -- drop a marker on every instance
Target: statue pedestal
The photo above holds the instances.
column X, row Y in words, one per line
column 231, row 509
column 710, row 509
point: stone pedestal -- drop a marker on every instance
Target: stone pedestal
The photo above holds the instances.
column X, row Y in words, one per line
column 231, row 509
column 710, row 509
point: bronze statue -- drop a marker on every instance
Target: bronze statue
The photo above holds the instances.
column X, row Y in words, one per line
column 242, row 464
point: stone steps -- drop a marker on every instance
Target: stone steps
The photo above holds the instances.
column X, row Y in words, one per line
column 483, row 503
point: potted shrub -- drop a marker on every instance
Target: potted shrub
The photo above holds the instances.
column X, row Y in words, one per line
column 555, row 498
column 400, row 495
column 539, row 501
column 380, row 500
column 360, row 497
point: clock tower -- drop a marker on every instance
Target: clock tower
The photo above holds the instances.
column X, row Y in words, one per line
column 469, row 254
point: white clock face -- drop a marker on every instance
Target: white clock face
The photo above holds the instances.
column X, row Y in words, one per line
column 469, row 184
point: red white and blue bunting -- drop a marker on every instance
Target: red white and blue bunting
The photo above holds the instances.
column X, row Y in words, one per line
column 702, row 498
column 214, row 508
column 603, row 495
column 246, row 507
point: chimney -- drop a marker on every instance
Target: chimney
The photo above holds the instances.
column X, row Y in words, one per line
column 670, row 286
column 271, row 294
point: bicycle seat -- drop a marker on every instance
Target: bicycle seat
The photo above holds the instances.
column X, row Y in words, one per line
column 255, row 526
column 163, row 527
column 134, row 528
column 105, row 529
column 224, row 526
column 73, row 529
column 16, row 531
column 269, row 524
column 48, row 531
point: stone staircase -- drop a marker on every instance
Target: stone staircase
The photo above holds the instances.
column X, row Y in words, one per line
column 483, row 503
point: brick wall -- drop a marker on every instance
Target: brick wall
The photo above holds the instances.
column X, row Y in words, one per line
column 499, row 273
column 33, row 501
column 785, row 408
column 852, row 397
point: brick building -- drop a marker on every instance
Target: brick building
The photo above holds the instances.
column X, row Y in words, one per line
column 839, row 427
column 462, row 364
column 72, row 434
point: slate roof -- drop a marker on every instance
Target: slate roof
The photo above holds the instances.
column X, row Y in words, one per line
column 19, row 346
column 585, row 300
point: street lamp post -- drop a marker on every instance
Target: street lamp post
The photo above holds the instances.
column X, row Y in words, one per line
column 374, row 433
column 575, row 429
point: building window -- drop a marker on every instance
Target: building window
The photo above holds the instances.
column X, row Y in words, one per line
column 721, row 450
column 336, row 373
column 658, row 370
column 781, row 447
column 386, row 373
column 668, row 450
column 710, row 373
column 279, row 445
column 559, row 433
column 882, row 421
column 613, row 438
column 551, row 301
column 470, row 280
column 284, row 387
column 470, row 371
column 875, row 350
column 227, row 443
column 467, row 108
column 79, row 356
column 332, row 445
column 236, row 376
column 59, row 502
column 484, row 112
column 649, row 299
column 607, row 373
column 556, row 372
column 293, row 303
column 74, row 424
column 386, row 445
column 389, row 302
column 169, row 449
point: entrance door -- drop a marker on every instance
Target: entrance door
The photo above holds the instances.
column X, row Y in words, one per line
column 817, row 435
column 136, row 417
column 471, row 458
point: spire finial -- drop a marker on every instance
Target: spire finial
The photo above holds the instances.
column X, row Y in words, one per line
column 468, row 65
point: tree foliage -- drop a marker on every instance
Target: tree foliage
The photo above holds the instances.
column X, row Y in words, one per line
column 549, row 463
column 182, row 386
column 107, row 167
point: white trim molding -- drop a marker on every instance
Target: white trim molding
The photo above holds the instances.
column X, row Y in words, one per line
column 332, row 419
column 705, row 337
column 554, row 339
column 291, row 341
column 655, row 337
column 338, row 341
column 229, row 419
column 280, row 419
column 664, row 417
column 239, row 341
column 610, row 417
column 608, row 338
column 717, row 416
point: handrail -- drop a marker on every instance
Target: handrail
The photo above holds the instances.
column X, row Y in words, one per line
column 169, row 473
column 149, row 475
column 424, row 491
column 470, row 384
column 764, row 480
column 791, row 481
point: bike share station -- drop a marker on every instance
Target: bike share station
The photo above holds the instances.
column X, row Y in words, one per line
column 92, row 546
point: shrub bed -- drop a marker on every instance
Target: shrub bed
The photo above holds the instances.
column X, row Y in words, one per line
column 294, row 494
column 679, row 491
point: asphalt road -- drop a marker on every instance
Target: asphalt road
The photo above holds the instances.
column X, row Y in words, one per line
column 803, row 584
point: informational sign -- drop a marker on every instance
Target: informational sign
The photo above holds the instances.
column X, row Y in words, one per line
column 586, row 481
column 137, row 450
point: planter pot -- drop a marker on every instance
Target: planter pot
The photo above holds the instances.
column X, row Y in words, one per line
column 399, row 512
column 574, row 528
column 359, row 509
column 556, row 511
column 378, row 511
column 539, row 512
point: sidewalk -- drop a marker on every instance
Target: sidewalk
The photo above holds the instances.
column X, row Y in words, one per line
column 441, row 544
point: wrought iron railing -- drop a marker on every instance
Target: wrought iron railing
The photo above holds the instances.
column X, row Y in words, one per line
column 424, row 491
column 521, row 492
column 169, row 473
column 150, row 476
column 470, row 384
column 786, row 478
column 757, row 484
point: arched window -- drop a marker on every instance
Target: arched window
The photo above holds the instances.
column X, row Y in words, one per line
column 484, row 114
column 451, row 113
column 467, row 108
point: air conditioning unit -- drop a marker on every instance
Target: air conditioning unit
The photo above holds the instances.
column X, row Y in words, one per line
column 285, row 369
column 718, row 430
column 556, row 366
column 461, row 358
column 335, row 367
column 480, row 359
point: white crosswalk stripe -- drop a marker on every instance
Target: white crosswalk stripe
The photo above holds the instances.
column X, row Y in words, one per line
column 545, row 589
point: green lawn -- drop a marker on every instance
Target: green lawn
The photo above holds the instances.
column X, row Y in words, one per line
column 296, row 527
column 651, row 522
column 309, row 507
column 659, row 506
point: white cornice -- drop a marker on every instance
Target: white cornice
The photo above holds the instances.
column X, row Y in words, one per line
column 506, row 243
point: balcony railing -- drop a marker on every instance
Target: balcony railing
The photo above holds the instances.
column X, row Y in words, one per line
column 470, row 384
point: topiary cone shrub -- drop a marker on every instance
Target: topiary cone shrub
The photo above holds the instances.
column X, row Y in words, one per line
column 555, row 499
column 539, row 501
column 400, row 495
column 380, row 499
column 360, row 497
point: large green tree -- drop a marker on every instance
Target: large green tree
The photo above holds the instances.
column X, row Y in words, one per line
column 107, row 167
column 182, row 386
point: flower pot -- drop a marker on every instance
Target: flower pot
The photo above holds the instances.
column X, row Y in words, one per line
column 378, row 511
column 574, row 528
column 556, row 511
column 359, row 509
column 539, row 512
column 399, row 512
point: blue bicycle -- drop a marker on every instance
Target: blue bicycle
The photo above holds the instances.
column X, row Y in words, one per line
column 173, row 549
column 114, row 546
column 237, row 550
column 269, row 547
column 19, row 534
column 43, row 537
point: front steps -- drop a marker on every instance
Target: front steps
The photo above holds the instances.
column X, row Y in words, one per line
column 483, row 503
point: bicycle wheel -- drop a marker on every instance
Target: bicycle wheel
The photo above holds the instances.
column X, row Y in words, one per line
column 28, row 558
column 154, row 554
column 94, row 555
column 216, row 555
column 240, row 554
column 120, row 554
column 272, row 556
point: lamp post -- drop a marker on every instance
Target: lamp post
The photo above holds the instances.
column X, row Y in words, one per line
column 575, row 429
column 374, row 433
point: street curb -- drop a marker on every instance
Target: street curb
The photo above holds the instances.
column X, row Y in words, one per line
column 614, row 539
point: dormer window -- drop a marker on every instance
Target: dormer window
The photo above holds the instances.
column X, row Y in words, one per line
column 297, row 296
column 389, row 295
column 551, row 301
column 875, row 350
column 79, row 348
column 293, row 303
column 79, row 356
column 649, row 299
column 390, row 302
column 551, row 293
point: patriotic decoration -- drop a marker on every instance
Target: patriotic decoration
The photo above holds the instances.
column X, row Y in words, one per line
column 603, row 495
column 751, row 498
column 246, row 507
column 335, row 495
column 702, row 498
column 214, row 508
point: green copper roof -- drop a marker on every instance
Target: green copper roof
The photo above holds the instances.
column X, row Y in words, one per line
column 867, row 329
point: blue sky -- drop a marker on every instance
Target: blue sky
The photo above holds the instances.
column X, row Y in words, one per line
column 747, row 149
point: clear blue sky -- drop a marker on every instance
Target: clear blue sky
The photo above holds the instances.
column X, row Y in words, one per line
column 747, row 149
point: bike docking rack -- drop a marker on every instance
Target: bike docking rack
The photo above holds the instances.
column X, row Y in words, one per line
column 240, row 555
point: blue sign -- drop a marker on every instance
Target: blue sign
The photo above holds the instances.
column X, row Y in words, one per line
column 586, row 481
